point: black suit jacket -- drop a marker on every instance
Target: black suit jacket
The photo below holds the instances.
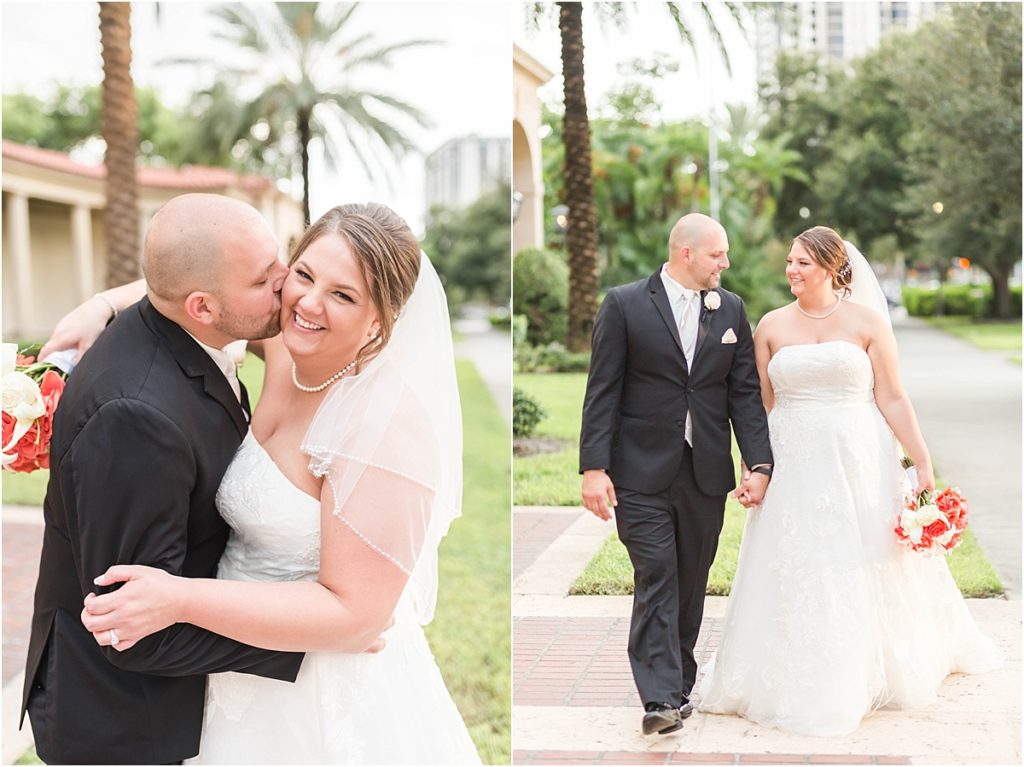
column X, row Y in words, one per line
column 143, row 434
column 640, row 389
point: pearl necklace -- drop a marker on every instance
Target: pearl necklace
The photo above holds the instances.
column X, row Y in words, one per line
column 325, row 384
column 819, row 316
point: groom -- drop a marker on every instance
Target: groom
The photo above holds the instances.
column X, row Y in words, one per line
column 672, row 365
column 145, row 430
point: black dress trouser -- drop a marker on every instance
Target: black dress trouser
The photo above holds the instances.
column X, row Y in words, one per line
column 671, row 538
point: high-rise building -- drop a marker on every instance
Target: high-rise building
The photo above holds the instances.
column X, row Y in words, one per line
column 462, row 169
column 840, row 30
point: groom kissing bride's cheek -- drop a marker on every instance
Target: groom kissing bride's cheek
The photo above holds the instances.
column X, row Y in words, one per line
column 237, row 569
column 675, row 370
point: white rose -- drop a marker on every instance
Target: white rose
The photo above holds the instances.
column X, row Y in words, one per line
column 23, row 401
column 236, row 351
column 10, row 358
column 914, row 522
column 712, row 300
column 21, row 397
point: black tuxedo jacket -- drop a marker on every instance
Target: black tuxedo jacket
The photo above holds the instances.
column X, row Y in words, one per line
column 640, row 389
column 143, row 434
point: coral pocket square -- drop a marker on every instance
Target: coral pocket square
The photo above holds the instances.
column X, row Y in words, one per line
column 729, row 337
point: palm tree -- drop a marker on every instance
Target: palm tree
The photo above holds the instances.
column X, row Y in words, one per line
column 121, row 134
column 581, row 235
column 303, row 58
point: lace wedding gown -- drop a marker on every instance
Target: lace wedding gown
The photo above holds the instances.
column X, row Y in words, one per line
column 829, row 617
column 387, row 708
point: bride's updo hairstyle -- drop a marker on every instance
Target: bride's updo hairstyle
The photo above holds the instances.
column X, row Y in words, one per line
column 826, row 247
column 388, row 255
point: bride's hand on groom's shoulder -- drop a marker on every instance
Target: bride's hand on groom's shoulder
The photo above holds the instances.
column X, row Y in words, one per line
column 78, row 329
column 146, row 603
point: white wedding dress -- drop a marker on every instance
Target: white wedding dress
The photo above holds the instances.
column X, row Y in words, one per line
column 387, row 708
column 829, row 617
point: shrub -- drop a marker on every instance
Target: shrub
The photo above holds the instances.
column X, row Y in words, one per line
column 526, row 413
column 963, row 300
column 519, row 330
column 540, row 291
column 500, row 319
column 550, row 358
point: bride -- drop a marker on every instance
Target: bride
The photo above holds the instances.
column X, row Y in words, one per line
column 337, row 499
column 829, row 617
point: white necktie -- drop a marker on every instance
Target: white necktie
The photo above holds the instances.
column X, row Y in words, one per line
column 231, row 373
column 688, row 324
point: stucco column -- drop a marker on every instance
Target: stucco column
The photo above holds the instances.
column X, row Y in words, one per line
column 81, row 244
column 21, row 258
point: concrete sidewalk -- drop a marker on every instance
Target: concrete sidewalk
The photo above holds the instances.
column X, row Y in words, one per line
column 968, row 402
column 574, row 699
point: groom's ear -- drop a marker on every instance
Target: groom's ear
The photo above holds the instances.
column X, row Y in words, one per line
column 200, row 306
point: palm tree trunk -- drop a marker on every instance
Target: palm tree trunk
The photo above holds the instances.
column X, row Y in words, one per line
column 121, row 134
column 305, row 136
column 581, row 236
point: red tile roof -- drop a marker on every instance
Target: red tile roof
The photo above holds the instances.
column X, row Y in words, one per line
column 194, row 177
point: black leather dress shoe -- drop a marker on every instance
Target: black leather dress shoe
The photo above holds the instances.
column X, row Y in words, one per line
column 686, row 710
column 661, row 718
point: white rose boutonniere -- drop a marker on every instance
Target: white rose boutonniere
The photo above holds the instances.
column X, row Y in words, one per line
column 712, row 300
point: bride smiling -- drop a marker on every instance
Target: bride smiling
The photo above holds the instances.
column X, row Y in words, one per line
column 338, row 497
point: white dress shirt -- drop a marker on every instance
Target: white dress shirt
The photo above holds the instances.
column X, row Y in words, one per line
column 685, row 305
column 222, row 358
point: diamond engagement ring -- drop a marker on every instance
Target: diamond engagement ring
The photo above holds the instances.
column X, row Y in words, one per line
column 113, row 638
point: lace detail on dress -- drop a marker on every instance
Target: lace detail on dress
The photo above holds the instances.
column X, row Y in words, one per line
column 829, row 617
column 331, row 713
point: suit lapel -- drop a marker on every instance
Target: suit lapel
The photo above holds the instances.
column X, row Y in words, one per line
column 660, row 299
column 702, row 327
column 195, row 363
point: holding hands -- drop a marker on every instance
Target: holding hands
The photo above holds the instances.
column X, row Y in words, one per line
column 751, row 491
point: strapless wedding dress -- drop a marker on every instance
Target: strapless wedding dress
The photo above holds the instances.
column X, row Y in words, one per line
column 829, row 617
column 388, row 708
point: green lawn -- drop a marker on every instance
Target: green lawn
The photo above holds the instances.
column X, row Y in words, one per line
column 471, row 632
column 610, row 571
column 553, row 479
column 985, row 334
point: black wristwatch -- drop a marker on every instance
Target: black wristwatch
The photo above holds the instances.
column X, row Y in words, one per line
column 766, row 470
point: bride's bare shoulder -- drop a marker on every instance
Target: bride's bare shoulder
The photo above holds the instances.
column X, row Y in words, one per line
column 773, row 319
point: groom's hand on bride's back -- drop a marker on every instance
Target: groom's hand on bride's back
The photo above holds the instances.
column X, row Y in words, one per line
column 598, row 493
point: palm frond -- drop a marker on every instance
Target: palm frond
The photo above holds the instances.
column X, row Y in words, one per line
column 716, row 35
column 380, row 56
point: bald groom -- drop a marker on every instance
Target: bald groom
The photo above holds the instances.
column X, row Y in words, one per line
column 148, row 423
column 672, row 366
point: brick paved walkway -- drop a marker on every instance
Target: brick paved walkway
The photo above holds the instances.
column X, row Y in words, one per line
column 534, row 531
column 574, row 701
column 21, row 543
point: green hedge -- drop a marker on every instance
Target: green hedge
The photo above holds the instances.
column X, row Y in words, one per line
column 540, row 292
column 550, row 358
column 961, row 300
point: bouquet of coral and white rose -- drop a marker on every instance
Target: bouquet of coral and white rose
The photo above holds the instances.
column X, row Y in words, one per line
column 31, row 391
column 932, row 523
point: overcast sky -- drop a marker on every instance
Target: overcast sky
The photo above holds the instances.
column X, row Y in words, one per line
column 463, row 84
column 651, row 34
